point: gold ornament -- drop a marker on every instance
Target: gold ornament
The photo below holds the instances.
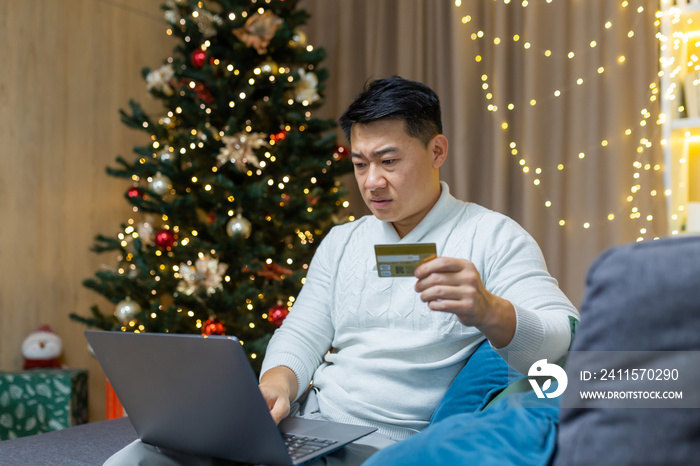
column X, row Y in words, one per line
column 298, row 39
column 259, row 30
column 269, row 67
column 168, row 122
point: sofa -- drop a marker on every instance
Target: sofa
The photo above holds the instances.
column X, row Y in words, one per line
column 639, row 297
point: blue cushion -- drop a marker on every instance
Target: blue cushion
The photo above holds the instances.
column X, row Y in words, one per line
column 478, row 422
column 484, row 375
column 517, row 430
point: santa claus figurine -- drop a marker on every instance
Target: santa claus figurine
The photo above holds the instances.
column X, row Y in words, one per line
column 42, row 348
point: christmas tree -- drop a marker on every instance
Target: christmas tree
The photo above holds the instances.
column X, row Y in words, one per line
column 237, row 185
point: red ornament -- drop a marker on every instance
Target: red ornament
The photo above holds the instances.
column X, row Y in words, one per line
column 274, row 271
column 164, row 239
column 198, row 57
column 199, row 89
column 279, row 136
column 312, row 200
column 277, row 314
column 203, row 93
column 341, row 152
column 213, row 327
column 135, row 192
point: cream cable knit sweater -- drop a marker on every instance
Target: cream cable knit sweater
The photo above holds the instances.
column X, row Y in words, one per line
column 391, row 358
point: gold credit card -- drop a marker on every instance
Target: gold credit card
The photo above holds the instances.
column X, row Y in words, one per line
column 401, row 260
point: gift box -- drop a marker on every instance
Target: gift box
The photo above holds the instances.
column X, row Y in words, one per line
column 41, row 400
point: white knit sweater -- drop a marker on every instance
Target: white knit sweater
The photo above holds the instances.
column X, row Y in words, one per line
column 391, row 358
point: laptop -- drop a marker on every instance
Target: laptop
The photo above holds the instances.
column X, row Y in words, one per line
column 199, row 394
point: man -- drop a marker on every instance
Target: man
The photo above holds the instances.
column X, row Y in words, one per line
column 383, row 351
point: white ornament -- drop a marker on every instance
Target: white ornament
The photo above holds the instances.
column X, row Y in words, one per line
column 207, row 22
column 160, row 184
column 238, row 149
column 306, row 89
column 145, row 230
column 172, row 17
column 206, row 273
column 159, row 80
column 239, row 226
column 126, row 310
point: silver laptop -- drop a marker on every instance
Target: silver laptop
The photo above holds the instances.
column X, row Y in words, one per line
column 199, row 395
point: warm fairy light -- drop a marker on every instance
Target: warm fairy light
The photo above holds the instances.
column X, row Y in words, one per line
column 586, row 78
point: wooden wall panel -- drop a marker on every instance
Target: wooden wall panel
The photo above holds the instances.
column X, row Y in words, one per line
column 66, row 67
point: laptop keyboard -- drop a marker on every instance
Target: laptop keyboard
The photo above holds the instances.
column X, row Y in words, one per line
column 299, row 446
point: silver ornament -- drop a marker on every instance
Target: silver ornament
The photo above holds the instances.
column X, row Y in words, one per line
column 126, row 310
column 239, row 226
column 160, row 184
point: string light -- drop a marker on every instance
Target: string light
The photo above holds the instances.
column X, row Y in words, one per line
column 596, row 73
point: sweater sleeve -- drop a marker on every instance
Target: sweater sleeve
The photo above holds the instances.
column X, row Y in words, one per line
column 306, row 334
column 515, row 270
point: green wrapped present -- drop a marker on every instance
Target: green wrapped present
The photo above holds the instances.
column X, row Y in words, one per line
column 41, row 400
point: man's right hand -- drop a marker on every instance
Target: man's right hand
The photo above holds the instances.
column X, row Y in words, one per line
column 279, row 387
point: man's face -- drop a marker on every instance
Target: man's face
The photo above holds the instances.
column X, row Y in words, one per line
column 396, row 173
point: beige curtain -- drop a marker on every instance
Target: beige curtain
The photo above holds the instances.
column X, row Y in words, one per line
column 66, row 71
column 583, row 156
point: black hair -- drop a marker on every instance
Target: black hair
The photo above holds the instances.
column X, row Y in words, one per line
column 398, row 98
